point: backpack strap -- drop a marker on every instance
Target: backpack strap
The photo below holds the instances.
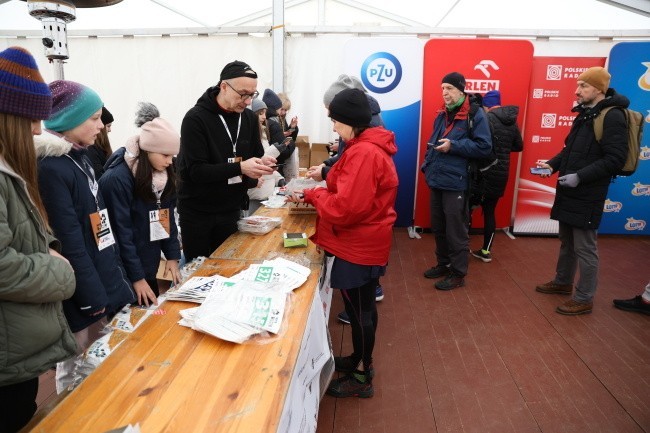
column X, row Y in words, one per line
column 599, row 121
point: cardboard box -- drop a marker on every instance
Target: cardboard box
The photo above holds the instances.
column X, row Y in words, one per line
column 304, row 152
column 161, row 271
column 295, row 240
column 318, row 154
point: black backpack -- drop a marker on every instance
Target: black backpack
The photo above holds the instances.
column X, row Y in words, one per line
column 476, row 167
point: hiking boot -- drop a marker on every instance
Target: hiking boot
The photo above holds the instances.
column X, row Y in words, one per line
column 450, row 282
column 350, row 386
column 555, row 289
column 573, row 308
column 379, row 293
column 346, row 364
column 343, row 317
column 437, row 271
column 636, row 304
column 483, row 255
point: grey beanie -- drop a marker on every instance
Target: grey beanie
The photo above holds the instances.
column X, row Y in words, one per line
column 341, row 83
column 258, row 105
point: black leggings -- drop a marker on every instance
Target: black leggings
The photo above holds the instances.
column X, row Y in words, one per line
column 362, row 311
column 489, row 206
column 17, row 405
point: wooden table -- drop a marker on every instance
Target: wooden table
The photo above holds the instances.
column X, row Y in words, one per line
column 169, row 378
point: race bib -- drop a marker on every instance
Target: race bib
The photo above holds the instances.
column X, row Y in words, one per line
column 159, row 224
column 101, row 227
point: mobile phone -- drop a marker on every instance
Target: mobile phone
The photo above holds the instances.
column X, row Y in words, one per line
column 539, row 170
column 276, row 165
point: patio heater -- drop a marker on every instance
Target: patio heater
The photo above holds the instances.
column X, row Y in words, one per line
column 54, row 17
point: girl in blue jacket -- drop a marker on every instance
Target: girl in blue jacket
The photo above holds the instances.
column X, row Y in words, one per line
column 139, row 188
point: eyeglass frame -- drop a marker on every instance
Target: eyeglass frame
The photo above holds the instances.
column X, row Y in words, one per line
column 243, row 96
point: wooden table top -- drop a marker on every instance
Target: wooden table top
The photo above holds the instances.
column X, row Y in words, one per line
column 169, row 378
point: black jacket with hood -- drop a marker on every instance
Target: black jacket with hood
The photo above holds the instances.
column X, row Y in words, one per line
column 203, row 167
column 506, row 138
column 595, row 163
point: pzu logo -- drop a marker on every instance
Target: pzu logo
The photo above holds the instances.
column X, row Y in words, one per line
column 381, row 72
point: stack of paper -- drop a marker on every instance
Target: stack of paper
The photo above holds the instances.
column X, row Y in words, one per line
column 247, row 304
column 195, row 289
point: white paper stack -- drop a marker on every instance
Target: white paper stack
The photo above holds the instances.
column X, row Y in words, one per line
column 195, row 289
column 247, row 304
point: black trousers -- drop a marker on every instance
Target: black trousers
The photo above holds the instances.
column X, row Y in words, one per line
column 488, row 206
column 203, row 233
column 362, row 310
column 449, row 224
column 17, row 405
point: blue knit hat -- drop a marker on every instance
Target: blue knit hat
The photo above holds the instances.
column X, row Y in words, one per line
column 23, row 91
column 492, row 98
column 73, row 104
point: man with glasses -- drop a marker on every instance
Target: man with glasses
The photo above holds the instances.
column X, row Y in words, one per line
column 221, row 157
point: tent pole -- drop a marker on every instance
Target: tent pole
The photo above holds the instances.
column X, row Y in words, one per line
column 278, row 45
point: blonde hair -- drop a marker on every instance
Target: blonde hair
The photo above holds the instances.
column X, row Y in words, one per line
column 286, row 103
column 17, row 149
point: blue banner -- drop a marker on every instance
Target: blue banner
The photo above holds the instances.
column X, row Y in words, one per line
column 627, row 208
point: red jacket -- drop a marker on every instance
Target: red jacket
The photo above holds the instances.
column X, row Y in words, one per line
column 355, row 211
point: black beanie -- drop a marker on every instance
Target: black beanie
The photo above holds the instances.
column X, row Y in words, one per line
column 456, row 79
column 351, row 107
column 237, row 69
column 106, row 117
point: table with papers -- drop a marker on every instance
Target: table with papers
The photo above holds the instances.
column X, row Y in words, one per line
column 169, row 378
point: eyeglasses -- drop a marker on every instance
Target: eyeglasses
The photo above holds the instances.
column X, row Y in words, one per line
column 244, row 96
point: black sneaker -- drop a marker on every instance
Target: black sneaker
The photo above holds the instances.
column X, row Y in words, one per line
column 480, row 254
column 635, row 304
column 350, row 386
column 450, row 282
column 343, row 317
column 346, row 364
column 437, row 271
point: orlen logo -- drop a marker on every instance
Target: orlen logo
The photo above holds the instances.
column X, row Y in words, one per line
column 644, row 80
column 476, row 85
column 554, row 72
column 381, row 72
column 548, row 120
column 633, row 224
column 640, row 189
column 612, row 206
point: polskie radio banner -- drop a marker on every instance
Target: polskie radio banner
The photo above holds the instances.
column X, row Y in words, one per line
column 548, row 120
column 486, row 64
column 391, row 72
column 627, row 207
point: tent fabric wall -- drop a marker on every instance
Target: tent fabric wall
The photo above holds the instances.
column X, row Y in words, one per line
column 172, row 72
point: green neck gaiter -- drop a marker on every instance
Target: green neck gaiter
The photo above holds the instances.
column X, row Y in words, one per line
column 456, row 105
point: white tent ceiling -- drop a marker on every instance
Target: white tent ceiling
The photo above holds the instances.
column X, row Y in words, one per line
column 550, row 17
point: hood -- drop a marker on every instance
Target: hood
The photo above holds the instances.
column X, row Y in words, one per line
column 374, row 105
column 208, row 101
column 506, row 114
column 5, row 168
column 381, row 137
column 116, row 158
column 48, row 144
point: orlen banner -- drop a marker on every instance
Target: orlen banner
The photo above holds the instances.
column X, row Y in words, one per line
column 391, row 71
column 548, row 121
column 487, row 64
column 627, row 208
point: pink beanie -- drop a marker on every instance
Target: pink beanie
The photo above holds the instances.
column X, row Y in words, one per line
column 159, row 136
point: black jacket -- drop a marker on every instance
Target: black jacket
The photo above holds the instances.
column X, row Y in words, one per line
column 130, row 218
column 203, row 166
column 595, row 163
column 97, row 159
column 506, row 138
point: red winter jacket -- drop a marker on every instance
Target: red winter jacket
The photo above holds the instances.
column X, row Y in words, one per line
column 355, row 211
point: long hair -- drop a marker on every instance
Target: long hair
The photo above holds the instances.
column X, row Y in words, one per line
column 17, row 148
column 143, row 177
column 358, row 130
column 103, row 143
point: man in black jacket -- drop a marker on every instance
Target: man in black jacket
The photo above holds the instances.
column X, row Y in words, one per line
column 221, row 157
column 586, row 168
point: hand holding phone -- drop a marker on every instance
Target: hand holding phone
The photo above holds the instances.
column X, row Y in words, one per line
column 539, row 171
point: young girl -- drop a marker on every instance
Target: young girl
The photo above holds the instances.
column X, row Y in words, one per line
column 79, row 217
column 139, row 189
column 99, row 152
column 35, row 278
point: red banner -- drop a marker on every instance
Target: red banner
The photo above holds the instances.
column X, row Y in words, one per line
column 548, row 121
column 487, row 64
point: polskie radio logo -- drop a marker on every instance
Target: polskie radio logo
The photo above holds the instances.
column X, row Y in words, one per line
column 612, row 206
column 483, row 85
column 549, row 120
column 381, row 72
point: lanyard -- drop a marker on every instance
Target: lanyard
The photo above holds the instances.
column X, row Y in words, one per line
column 92, row 183
column 158, row 195
column 234, row 143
